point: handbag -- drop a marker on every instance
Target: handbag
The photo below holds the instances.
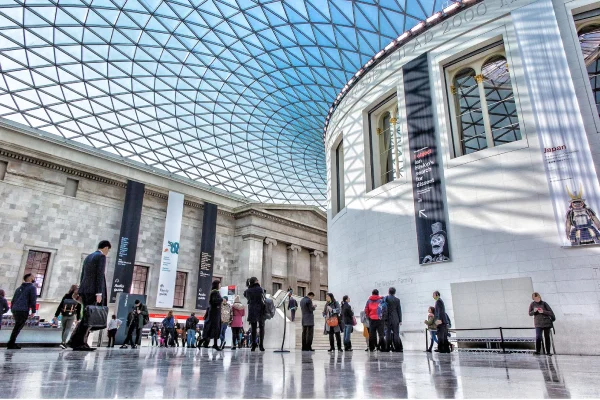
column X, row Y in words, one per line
column 332, row 321
column 96, row 317
column 353, row 321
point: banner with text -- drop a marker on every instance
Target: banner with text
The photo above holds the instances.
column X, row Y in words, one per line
column 128, row 238
column 568, row 159
column 170, row 251
column 429, row 202
column 207, row 254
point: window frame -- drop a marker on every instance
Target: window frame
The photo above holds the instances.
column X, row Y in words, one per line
column 147, row 269
column 338, row 182
column 375, row 116
column 185, row 273
column 48, row 279
column 582, row 20
column 40, row 287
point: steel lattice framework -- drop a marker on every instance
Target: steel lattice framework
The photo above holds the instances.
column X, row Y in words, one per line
column 228, row 93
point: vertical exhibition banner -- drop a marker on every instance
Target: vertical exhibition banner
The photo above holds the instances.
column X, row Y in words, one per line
column 429, row 201
column 570, row 170
column 207, row 254
column 170, row 251
column 128, row 238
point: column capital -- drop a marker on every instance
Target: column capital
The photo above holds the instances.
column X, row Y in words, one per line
column 270, row 241
column 252, row 236
column 294, row 247
column 317, row 253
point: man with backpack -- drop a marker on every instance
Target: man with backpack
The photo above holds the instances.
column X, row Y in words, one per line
column 23, row 301
column 190, row 330
column 375, row 310
column 69, row 310
column 137, row 318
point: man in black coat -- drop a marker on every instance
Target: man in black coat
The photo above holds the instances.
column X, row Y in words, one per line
column 308, row 321
column 394, row 320
column 441, row 320
column 24, row 301
column 92, row 291
column 256, row 311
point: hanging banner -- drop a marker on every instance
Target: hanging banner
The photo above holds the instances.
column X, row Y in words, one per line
column 170, row 251
column 128, row 238
column 207, row 253
column 568, row 160
column 429, row 201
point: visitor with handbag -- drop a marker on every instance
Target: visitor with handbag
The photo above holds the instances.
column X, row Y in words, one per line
column 333, row 322
column 349, row 322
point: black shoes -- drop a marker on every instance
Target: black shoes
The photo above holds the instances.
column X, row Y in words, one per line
column 217, row 348
column 123, row 347
column 261, row 348
column 223, row 344
column 330, row 350
column 134, row 346
column 13, row 347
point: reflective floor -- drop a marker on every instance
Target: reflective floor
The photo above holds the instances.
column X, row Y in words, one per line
column 183, row 373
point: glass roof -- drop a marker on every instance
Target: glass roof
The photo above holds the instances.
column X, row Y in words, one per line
column 232, row 94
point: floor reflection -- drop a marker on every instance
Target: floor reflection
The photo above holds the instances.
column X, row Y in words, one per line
column 185, row 373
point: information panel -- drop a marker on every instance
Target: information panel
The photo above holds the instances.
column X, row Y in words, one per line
column 429, row 202
column 128, row 238
column 207, row 254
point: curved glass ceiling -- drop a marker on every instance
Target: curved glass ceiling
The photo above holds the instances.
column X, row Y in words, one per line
column 228, row 93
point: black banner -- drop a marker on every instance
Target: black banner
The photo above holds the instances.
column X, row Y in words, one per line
column 130, row 228
column 432, row 237
column 207, row 253
column 125, row 303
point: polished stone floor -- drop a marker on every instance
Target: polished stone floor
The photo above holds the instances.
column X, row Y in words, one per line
column 191, row 373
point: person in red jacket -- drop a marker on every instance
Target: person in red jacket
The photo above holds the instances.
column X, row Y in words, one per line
column 375, row 324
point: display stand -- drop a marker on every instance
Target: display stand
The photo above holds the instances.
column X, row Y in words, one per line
column 282, row 302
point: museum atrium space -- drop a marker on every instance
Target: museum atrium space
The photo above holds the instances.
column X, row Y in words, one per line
column 344, row 198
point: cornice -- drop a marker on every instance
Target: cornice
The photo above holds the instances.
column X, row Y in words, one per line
column 279, row 220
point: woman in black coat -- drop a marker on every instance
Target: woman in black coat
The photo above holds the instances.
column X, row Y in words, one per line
column 213, row 329
column 333, row 310
column 256, row 311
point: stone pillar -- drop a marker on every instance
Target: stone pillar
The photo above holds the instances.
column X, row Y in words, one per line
column 292, row 267
column 251, row 257
column 267, row 275
column 315, row 272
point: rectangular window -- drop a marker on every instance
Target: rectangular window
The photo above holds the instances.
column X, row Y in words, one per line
column 339, row 177
column 323, row 295
column 481, row 101
column 385, row 150
column 3, row 168
column 276, row 286
column 301, row 291
column 37, row 264
column 140, row 279
column 588, row 31
column 180, row 284
column 71, row 187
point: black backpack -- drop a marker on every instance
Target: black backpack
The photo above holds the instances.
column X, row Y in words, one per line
column 69, row 307
column 189, row 324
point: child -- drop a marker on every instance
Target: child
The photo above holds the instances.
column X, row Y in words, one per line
column 431, row 326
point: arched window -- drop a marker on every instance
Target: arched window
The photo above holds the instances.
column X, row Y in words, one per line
column 502, row 111
column 589, row 40
column 469, row 112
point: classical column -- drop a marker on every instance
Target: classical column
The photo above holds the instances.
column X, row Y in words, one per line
column 267, row 275
column 315, row 272
column 251, row 256
column 292, row 267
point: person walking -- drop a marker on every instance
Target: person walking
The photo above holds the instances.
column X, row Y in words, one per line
column 256, row 312
column 308, row 321
column 3, row 305
column 92, row 291
column 69, row 310
column 154, row 335
column 136, row 321
column 178, row 334
column 215, row 302
column 113, row 326
column 348, row 320
column 190, row 330
column 23, row 302
column 237, row 322
column 394, row 320
column 333, row 323
column 365, row 321
column 226, row 317
column 543, row 320
column 169, row 324
column 292, row 305
column 431, row 327
column 441, row 321
column 372, row 312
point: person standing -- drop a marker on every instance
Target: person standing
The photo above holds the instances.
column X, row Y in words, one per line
column 70, row 310
column 177, row 334
column 237, row 323
column 154, row 335
column 190, row 330
column 431, row 327
column 308, row 321
column 292, row 305
column 136, row 321
column 348, row 319
column 169, row 325
column 226, row 317
column 3, row 305
column 256, row 312
column 375, row 320
column 441, row 321
column 333, row 311
column 394, row 320
column 92, row 291
column 543, row 320
column 215, row 302
column 24, row 301
column 113, row 326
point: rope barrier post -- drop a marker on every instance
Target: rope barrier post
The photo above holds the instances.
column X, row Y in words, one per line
column 502, row 340
column 552, row 340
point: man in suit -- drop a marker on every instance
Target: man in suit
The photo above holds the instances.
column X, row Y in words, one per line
column 394, row 321
column 441, row 320
column 308, row 321
column 92, row 291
